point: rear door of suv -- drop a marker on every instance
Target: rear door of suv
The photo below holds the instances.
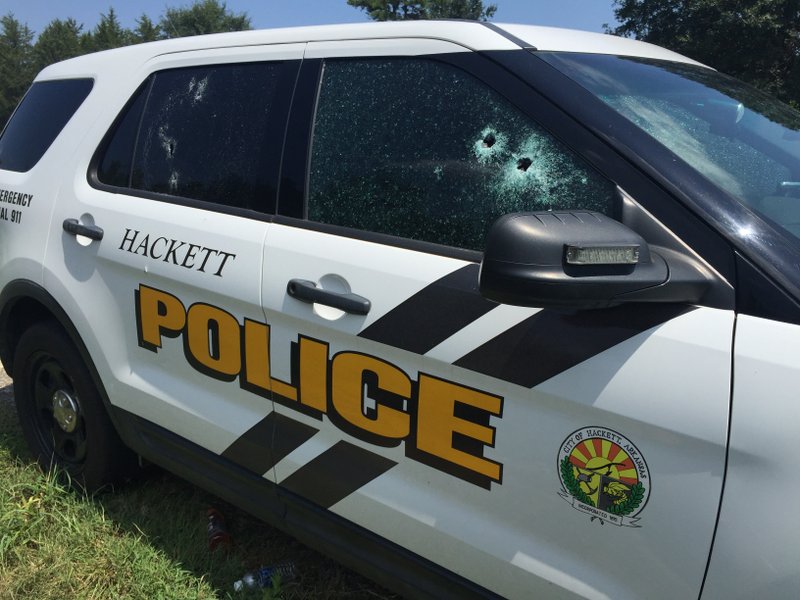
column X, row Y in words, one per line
column 155, row 248
column 516, row 447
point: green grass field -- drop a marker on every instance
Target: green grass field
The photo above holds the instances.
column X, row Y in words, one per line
column 146, row 540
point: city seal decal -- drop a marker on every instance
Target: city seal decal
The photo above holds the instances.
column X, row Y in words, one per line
column 604, row 475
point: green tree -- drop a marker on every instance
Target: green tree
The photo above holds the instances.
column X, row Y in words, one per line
column 204, row 16
column 757, row 41
column 58, row 41
column 398, row 10
column 460, row 9
column 107, row 34
column 146, row 30
column 21, row 59
column 16, row 64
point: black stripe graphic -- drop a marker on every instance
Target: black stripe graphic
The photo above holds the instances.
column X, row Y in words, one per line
column 549, row 342
column 433, row 314
column 336, row 473
column 268, row 442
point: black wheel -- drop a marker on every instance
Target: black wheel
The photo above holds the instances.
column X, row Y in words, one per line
column 61, row 412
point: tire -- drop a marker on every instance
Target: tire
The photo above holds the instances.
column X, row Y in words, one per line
column 61, row 412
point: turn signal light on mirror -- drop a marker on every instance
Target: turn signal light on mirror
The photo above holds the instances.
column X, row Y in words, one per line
column 602, row 255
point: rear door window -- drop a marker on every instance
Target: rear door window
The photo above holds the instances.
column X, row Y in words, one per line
column 40, row 117
column 209, row 133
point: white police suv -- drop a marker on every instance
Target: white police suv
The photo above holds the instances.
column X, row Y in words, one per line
column 480, row 310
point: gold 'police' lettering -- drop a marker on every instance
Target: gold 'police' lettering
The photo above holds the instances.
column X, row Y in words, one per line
column 313, row 374
column 213, row 338
column 157, row 313
column 443, row 424
column 437, row 423
column 349, row 397
column 255, row 376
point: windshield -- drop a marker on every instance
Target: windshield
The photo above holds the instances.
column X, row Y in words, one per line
column 742, row 140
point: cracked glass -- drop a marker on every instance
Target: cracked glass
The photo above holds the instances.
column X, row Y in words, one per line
column 201, row 133
column 420, row 149
column 742, row 140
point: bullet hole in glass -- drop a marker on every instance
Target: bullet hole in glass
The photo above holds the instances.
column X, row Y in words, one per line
column 203, row 134
column 441, row 162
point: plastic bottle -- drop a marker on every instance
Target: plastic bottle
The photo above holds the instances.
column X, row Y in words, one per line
column 263, row 577
column 218, row 536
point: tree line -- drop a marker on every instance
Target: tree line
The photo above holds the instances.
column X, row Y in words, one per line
column 21, row 58
column 758, row 42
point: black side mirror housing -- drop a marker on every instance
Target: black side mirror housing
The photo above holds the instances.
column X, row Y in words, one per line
column 579, row 259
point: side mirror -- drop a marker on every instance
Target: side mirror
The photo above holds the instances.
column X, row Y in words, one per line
column 580, row 260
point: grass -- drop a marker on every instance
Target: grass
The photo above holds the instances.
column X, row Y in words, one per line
column 146, row 540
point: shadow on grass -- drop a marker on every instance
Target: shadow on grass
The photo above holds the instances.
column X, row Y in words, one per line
column 171, row 515
column 10, row 433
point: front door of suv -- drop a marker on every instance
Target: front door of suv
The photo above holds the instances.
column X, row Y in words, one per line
column 519, row 448
column 183, row 186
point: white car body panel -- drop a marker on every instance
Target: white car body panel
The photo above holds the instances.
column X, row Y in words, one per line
column 161, row 387
column 439, row 516
column 756, row 552
column 552, row 39
column 472, row 36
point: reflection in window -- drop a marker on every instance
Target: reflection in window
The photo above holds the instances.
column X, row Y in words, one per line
column 739, row 138
column 418, row 149
column 717, row 154
column 37, row 121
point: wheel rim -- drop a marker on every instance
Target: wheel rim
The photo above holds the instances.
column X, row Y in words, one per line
column 58, row 417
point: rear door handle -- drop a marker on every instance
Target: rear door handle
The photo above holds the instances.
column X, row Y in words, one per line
column 307, row 291
column 74, row 227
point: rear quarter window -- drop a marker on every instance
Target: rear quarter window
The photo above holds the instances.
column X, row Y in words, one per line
column 39, row 118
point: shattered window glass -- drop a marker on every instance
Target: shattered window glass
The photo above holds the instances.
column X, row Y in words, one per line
column 204, row 134
column 720, row 156
column 739, row 138
column 419, row 149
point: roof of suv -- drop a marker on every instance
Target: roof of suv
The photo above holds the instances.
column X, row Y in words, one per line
column 470, row 34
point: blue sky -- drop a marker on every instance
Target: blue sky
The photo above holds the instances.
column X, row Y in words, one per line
column 577, row 14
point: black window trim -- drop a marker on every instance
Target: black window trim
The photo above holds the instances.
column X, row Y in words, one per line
column 385, row 239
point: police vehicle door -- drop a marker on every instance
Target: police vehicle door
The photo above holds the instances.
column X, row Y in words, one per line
column 161, row 245
column 517, row 447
